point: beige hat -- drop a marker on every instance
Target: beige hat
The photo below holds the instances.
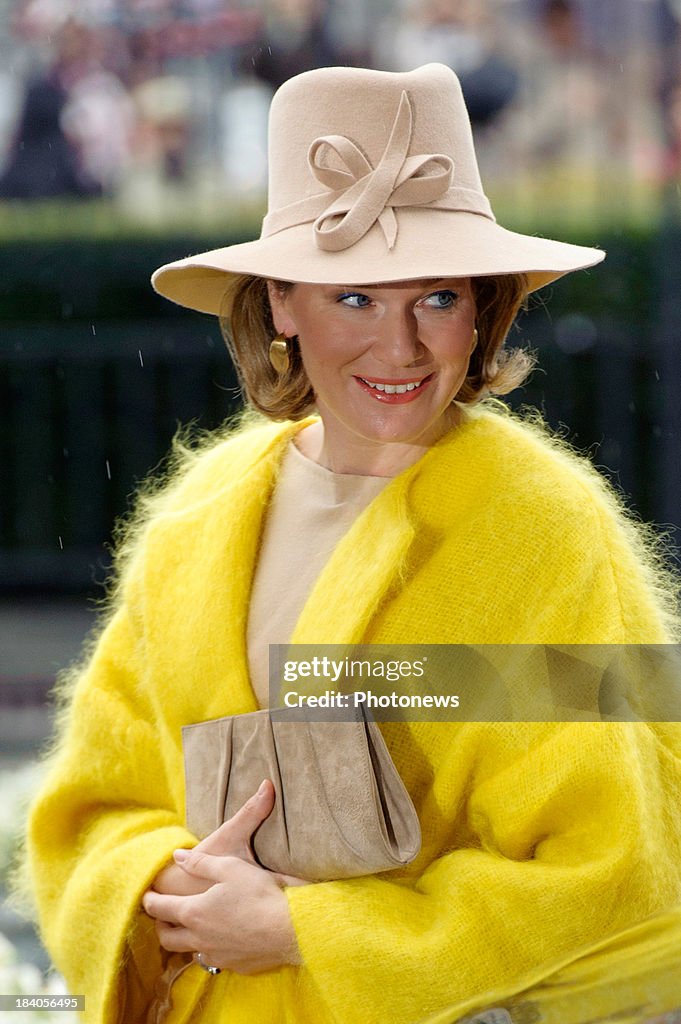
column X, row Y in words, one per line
column 372, row 178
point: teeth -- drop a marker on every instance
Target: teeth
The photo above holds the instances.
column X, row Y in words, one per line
column 394, row 389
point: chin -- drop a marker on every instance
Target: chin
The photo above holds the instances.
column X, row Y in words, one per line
column 420, row 433
column 414, row 423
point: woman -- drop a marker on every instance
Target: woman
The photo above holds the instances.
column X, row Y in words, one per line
column 399, row 514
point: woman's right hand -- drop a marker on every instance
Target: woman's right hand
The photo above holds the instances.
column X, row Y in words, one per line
column 232, row 838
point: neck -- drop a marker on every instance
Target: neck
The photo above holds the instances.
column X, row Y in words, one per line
column 363, row 457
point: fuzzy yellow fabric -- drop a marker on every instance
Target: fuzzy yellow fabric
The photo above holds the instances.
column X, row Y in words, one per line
column 631, row 977
column 537, row 838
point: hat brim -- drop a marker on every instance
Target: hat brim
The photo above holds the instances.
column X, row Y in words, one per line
column 460, row 244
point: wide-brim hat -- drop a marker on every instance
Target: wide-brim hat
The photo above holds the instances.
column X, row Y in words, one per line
column 373, row 179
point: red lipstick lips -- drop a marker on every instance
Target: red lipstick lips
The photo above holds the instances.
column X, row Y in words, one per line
column 394, row 392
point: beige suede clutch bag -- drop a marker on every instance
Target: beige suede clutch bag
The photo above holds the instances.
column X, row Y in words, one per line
column 341, row 808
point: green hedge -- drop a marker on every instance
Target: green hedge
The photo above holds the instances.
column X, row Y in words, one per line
column 56, row 280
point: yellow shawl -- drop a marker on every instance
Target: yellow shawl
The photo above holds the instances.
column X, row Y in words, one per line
column 537, row 838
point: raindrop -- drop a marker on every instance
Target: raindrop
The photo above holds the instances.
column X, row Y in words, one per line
column 657, row 375
column 61, row 543
column 632, row 407
column 93, row 329
column 66, row 452
column 139, row 350
column 108, row 469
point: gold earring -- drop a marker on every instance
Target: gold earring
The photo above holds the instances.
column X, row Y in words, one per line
column 279, row 354
column 475, row 340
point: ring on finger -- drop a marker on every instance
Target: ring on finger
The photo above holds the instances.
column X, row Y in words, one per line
column 206, row 967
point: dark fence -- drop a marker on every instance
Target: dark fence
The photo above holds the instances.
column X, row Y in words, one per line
column 96, row 373
column 83, row 420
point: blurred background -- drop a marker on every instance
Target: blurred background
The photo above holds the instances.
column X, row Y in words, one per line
column 133, row 132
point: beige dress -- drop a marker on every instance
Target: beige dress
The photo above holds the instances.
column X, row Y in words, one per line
column 311, row 509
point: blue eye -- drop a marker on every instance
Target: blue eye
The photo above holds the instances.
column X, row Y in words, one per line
column 355, row 299
column 444, row 299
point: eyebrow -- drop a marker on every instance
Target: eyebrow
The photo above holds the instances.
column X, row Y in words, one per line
column 425, row 282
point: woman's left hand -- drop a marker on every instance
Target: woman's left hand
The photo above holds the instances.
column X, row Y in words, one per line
column 241, row 922
column 230, row 908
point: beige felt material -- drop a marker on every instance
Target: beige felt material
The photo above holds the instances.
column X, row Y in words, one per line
column 372, row 178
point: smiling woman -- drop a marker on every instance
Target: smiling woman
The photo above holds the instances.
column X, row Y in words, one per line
column 248, row 326
column 385, row 365
column 385, row 498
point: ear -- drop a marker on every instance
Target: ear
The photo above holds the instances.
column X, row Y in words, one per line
column 279, row 305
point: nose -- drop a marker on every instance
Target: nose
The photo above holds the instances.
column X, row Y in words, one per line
column 397, row 342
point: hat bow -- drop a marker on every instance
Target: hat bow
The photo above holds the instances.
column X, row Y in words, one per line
column 358, row 195
column 369, row 194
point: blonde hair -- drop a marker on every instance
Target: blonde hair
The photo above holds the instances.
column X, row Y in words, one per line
column 248, row 329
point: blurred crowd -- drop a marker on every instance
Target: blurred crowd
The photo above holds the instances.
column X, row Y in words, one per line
column 141, row 100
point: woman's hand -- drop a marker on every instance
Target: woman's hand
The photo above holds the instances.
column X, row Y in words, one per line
column 241, row 922
column 232, row 837
column 216, row 899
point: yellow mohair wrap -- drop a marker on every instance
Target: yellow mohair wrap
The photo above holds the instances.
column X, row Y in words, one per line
column 539, row 839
